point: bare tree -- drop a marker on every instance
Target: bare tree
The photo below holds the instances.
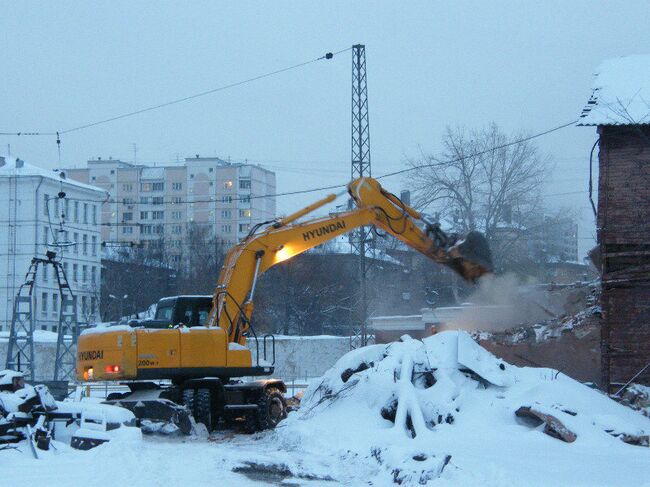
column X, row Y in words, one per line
column 484, row 180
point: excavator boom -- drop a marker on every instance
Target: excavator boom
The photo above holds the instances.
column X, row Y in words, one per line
column 280, row 240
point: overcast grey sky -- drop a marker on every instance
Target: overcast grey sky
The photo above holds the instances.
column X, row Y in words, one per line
column 524, row 65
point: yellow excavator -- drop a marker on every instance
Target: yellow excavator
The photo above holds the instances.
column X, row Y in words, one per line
column 200, row 361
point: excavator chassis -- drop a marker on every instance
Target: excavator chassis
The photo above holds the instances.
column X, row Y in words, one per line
column 259, row 403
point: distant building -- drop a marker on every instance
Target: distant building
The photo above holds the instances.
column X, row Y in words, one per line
column 553, row 240
column 619, row 107
column 34, row 219
column 157, row 204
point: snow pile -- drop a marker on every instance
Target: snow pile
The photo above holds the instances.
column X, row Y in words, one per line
column 444, row 408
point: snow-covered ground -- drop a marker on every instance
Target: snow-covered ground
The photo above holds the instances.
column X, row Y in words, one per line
column 439, row 411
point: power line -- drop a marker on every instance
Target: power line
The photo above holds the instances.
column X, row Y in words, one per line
column 476, row 154
column 326, row 56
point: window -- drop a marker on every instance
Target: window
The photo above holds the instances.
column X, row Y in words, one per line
column 226, row 199
column 127, row 217
column 46, row 208
column 176, row 215
column 86, row 213
column 227, row 184
column 93, row 305
column 211, row 169
column 157, row 200
column 65, row 268
column 75, row 272
column 176, row 200
column 128, row 201
column 176, row 229
column 45, row 273
column 94, row 246
column 226, row 214
column 244, row 184
column 76, row 212
column 44, row 303
column 145, row 229
column 177, row 186
column 157, row 215
column 144, row 215
column 112, row 171
column 84, row 273
column 244, row 213
column 93, row 275
column 85, row 244
column 84, row 304
column 94, row 208
column 66, row 207
column 158, row 229
column 55, row 302
column 226, row 228
column 244, row 227
column 127, row 187
column 46, row 236
column 76, row 243
column 127, row 230
column 246, row 199
column 147, row 187
column 144, row 200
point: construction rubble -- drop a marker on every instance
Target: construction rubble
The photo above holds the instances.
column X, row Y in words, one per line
column 30, row 414
column 418, row 410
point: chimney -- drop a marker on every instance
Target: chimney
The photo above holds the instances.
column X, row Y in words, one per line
column 19, row 163
column 2, row 162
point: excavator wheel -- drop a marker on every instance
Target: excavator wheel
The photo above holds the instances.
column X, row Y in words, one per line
column 203, row 409
column 272, row 408
column 189, row 400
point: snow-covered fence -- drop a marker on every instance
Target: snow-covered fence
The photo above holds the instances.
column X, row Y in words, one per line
column 297, row 358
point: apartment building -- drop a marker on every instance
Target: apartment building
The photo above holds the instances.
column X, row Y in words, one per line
column 152, row 204
column 36, row 217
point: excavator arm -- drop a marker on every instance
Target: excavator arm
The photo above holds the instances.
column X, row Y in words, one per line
column 280, row 240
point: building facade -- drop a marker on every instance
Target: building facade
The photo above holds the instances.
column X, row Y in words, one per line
column 619, row 109
column 43, row 210
column 161, row 203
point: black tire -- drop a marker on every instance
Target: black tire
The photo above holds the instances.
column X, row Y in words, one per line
column 272, row 408
column 116, row 396
column 189, row 400
column 203, row 409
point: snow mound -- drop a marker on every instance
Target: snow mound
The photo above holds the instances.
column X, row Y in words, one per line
column 446, row 409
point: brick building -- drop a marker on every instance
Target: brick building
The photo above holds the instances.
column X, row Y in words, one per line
column 620, row 109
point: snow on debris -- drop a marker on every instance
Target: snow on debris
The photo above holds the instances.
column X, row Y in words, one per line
column 444, row 409
column 621, row 93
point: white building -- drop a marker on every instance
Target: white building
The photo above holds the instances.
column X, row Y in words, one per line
column 157, row 204
column 34, row 219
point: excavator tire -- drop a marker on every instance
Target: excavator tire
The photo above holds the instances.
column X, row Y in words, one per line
column 203, row 409
column 272, row 408
column 189, row 400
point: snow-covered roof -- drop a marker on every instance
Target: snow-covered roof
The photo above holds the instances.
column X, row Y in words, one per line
column 621, row 93
column 11, row 169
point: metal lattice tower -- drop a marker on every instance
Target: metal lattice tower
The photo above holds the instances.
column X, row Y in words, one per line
column 360, row 168
column 20, row 351
column 64, row 366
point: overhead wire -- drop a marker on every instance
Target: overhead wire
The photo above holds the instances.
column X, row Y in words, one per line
column 58, row 133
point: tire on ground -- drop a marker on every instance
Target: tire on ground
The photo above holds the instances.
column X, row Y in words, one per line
column 272, row 408
column 203, row 409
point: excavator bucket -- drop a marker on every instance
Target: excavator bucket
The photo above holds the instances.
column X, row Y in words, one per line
column 471, row 256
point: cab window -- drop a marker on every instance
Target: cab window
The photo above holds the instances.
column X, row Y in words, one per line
column 164, row 312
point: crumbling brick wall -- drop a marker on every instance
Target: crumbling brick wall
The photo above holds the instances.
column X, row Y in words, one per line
column 624, row 240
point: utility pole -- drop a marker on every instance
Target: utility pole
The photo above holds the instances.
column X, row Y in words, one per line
column 360, row 168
